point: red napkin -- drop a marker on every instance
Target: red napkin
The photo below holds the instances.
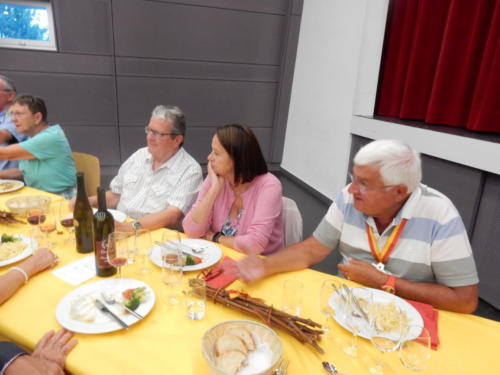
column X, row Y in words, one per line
column 430, row 318
column 218, row 278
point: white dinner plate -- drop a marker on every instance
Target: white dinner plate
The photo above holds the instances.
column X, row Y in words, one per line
column 13, row 185
column 103, row 322
column 117, row 215
column 379, row 296
column 209, row 256
column 31, row 244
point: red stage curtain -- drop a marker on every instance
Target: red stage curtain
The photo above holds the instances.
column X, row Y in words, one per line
column 441, row 63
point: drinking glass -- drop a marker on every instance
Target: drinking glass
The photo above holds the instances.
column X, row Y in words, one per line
column 195, row 299
column 66, row 221
column 292, row 296
column 415, row 354
column 48, row 225
column 328, row 288
column 35, row 216
column 383, row 338
column 353, row 318
column 119, row 248
column 143, row 245
column 172, row 267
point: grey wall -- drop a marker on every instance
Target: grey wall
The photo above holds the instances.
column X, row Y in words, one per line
column 221, row 61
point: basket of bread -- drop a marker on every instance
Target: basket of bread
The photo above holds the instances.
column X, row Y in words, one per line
column 241, row 347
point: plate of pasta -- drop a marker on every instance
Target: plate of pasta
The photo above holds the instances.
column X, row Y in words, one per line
column 12, row 251
column 382, row 304
column 6, row 186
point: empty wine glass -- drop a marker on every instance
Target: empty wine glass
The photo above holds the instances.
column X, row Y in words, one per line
column 385, row 335
column 415, row 354
column 353, row 318
column 142, row 247
column 119, row 249
column 328, row 288
column 172, row 267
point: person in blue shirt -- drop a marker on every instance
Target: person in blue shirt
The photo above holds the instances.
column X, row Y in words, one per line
column 45, row 158
column 8, row 133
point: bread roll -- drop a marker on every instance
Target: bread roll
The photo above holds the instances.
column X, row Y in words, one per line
column 227, row 342
column 244, row 334
column 230, row 361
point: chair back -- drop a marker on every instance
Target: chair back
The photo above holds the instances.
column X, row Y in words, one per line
column 91, row 166
column 292, row 222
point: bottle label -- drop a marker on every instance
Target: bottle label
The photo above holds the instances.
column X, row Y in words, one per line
column 101, row 253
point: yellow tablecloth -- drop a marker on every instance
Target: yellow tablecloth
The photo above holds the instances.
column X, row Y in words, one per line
column 167, row 342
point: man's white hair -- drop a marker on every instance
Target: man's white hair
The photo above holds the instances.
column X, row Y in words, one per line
column 398, row 163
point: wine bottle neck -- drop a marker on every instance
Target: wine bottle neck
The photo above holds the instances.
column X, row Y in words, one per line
column 80, row 186
column 101, row 200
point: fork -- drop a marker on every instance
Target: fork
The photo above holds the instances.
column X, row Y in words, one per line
column 110, row 300
column 356, row 303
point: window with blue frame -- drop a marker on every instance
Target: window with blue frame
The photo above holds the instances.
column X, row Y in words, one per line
column 27, row 24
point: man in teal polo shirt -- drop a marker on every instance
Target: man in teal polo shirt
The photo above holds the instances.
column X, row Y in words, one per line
column 45, row 159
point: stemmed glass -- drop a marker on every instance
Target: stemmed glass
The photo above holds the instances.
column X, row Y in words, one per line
column 328, row 288
column 48, row 225
column 172, row 267
column 66, row 220
column 119, row 250
column 35, row 216
column 353, row 318
column 415, row 354
column 143, row 245
column 385, row 337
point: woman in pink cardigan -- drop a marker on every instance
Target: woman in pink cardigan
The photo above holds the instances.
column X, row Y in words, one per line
column 240, row 202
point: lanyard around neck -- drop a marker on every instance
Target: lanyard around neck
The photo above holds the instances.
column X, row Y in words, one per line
column 390, row 244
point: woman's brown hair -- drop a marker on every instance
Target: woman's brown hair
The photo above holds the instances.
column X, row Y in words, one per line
column 243, row 147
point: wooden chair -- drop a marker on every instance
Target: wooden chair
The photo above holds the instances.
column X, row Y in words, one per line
column 91, row 166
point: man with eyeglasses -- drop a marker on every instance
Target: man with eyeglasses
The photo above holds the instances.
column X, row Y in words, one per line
column 157, row 184
column 393, row 233
column 8, row 133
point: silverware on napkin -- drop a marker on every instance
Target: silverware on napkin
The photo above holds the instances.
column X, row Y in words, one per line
column 101, row 306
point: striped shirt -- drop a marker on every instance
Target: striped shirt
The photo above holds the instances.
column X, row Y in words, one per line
column 433, row 246
column 143, row 191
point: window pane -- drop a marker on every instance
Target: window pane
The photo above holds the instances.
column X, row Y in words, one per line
column 23, row 22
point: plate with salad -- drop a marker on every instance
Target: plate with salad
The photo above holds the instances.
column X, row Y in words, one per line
column 78, row 313
column 197, row 254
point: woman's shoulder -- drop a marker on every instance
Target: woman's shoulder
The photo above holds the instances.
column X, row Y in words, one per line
column 267, row 182
column 267, row 179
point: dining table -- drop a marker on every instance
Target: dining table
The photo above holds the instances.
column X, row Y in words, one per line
column 166, row 341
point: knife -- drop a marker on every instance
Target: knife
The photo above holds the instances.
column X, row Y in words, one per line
column 171, row 247
column 101, row 306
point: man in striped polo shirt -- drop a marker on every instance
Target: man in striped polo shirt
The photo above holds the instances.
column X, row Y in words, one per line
column 393, row 232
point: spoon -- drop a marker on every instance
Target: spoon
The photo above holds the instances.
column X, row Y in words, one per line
column 329, row 367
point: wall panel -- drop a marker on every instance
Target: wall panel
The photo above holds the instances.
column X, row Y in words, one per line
column 204, row 101
column 221, row 61
column 486, row 240
column 187, row 32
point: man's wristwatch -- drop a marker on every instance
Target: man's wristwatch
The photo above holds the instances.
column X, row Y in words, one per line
column 390, row 285
column 137, row 225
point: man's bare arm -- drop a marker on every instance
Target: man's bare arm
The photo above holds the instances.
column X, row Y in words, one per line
column 458, row 299
column 12, row 173
column 169, row 217
column 298, row 256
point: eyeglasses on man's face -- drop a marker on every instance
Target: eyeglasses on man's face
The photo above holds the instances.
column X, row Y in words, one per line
column 156, row 134
column 363, row 187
